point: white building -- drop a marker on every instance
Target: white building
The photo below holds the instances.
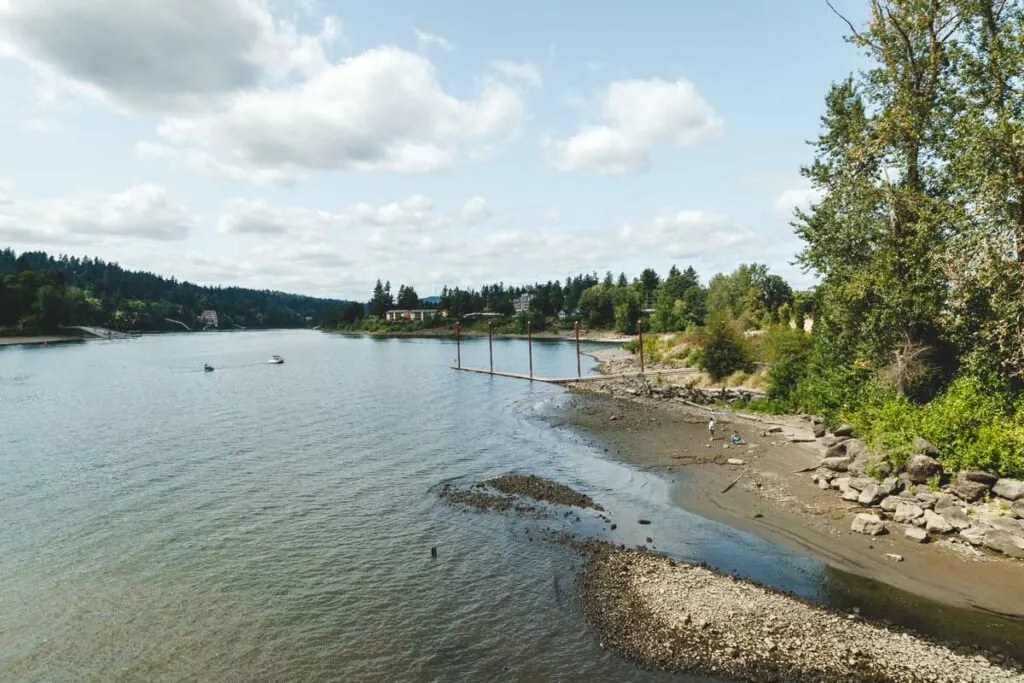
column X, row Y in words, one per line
column 522, row 304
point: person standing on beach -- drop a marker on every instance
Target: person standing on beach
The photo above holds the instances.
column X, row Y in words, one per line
column 711, row 427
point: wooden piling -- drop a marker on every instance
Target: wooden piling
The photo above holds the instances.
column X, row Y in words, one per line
column 579, row 373
column 640, row 335
column 490, row 344
column 529, row 345
column 458, row 345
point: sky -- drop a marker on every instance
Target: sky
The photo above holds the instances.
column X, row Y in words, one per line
column 315, row 146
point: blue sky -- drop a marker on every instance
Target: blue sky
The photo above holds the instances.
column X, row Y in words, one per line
column 316, row 145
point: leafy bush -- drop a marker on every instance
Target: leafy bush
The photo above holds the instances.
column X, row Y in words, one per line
column 971, row 425
column 724, row 353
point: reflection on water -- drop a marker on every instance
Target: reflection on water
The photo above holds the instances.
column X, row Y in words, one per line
column 274, row 522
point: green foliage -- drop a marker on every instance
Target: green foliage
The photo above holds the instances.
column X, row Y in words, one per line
column 972, row 426
column 724, row 353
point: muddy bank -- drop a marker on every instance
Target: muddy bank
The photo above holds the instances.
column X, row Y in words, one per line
column 770, row 496
column 680, row 617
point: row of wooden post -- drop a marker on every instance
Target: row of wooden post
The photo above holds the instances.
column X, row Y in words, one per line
column 529, row 345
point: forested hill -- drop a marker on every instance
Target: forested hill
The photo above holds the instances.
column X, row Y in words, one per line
column 39, row 292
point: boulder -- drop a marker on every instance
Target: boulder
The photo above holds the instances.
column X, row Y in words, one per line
column 870, row 494
column 889, row 503
column 921, row 468
column 926, row 500
column 967, row 489
column 916, row 534
column 1005, row 542
column 854, row 447
column 936, row 523
column 843, row 430
column 981, row 476
column 837, row 464
column 830, row 441
column 836, row 451
column 925, row 447
column 860, row 482
column 975, row 535
column 735, row 461
column 890, row 485
column 956, row 516
column 851, row 494
column 823, row 484
column 1018, row 509
column 1007, row 524
column 819, row 431
column 840, row 483
column 905, row 479
column 1010, row 489
column 859, row 466
column 944, row 500
column 906, row 512
column 871, row 525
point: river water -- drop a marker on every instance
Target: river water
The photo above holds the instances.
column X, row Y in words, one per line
column 274, row 523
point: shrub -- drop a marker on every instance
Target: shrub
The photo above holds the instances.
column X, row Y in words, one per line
column 724, row 353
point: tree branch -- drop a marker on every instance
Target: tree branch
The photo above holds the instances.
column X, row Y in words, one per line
column 853, row 30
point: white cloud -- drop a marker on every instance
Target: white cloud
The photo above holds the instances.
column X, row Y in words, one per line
column 475, row 211
column 201, row 162
column 526, row 73
column 685, row 234
column 142, row 212
column 425, row 39
column 795, row 198
column 258, row 217
column 639, row 116
column 155, row 56
column 6, row 187
column 381, row 110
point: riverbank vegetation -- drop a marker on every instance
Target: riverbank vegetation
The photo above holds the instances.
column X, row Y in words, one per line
column 40, row 293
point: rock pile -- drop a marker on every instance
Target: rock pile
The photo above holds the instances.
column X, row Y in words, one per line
column 641, row 387
column 539, row 488
column 689, row 618
column 977, row 507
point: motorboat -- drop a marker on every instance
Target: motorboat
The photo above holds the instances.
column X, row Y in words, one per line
column 276, row 360
column 208, row 368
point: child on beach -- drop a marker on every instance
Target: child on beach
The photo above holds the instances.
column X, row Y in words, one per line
column 736, row 440
column 711, row 427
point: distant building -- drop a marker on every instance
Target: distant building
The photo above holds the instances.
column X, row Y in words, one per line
column 415, row 314
column 209, row 317
column 522, row 304
column 474, row 316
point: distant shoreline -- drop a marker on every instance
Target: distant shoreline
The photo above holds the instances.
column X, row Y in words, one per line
column 32, row 340
column 598, row 337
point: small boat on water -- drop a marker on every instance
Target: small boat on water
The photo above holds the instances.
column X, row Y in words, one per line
column 208, row 368
column 276, row 360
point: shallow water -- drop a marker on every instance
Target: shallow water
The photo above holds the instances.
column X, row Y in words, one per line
column 272, row 523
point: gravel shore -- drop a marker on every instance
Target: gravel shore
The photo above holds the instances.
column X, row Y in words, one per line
column 688, row 618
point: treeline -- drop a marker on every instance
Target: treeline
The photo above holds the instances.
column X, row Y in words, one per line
column 918, row 237
column 39, row 293
column 750, row 296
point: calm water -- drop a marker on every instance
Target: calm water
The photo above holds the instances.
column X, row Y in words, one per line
column 274, row 523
